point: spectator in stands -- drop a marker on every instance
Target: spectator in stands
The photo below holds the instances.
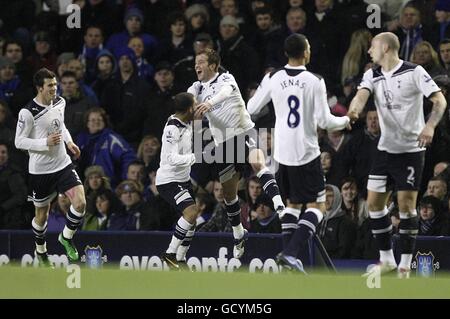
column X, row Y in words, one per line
column 13, row 90
column 252, row 191
column 62, row 62
column 424, row 55
column 125, row 98
column 93, row 44
column 77, row 104
column 103, row 13
column 106, row 69
column 335, row 143
column 95, row 181
column 239, row 58
column 442, row 13
column 133, row 20
column 197, row 17
column 359, row 152
column 356, row 57
column 7, row 124
column 43, row 55
column 13, row 192
column 266, row 220
column 326, row 161
column 106, row 203
column 178, row 44
column 295, row 23
column 437, row 187
column 14, row 51
column 219, row 219
column 205, row 204
column 57, row 215
column 149, row 151
column 444, row 53
column 433, row 220
column 410, row 30
column 136, row 214
column 100, row 145
column 352, row 204
column 144, row 69
column 441, row 168
column 337, row 231
column 160, row 105
column 136, row 172
column 78, row 68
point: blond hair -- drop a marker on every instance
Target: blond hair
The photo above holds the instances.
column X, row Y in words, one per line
column 434, row 55
column 351, row 65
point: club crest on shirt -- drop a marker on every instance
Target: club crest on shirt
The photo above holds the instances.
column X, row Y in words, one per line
column 55, row 127
column 425, row 264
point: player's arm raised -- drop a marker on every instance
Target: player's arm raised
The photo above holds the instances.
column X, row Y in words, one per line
column 261, row 96
column 24, row 127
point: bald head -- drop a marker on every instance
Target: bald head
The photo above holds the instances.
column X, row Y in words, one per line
column 390, row 39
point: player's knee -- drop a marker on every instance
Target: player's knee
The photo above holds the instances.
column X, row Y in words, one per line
column 79, row 205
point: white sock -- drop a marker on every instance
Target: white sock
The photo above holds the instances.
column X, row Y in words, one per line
column 42, row 249
column 68, row 233
column 184, row 226
column 181, row 252
column 238, row 231
column 405, row 261
column 387, row 256
column 277, row 201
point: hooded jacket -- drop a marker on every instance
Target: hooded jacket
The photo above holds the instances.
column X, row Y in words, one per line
column 337, row 231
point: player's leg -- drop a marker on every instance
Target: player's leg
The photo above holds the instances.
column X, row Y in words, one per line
column 258, row 162
column 381, row 227
column 185, row 245
column 39, row 226
column 408, row 229
column 230, row 189
column 74, row 219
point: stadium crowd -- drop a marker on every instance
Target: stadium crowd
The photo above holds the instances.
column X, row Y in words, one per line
column 119, row 72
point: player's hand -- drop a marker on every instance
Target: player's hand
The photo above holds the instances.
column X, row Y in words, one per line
column 203, row 108
column 354, row 116
column 426, row 136
column 74, row 149
column 54, row 139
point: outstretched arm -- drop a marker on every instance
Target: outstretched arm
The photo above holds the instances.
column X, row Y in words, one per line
column 261, row 97
column 358, row 103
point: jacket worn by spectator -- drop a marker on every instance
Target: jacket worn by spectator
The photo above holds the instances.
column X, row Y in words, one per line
column 13, row 194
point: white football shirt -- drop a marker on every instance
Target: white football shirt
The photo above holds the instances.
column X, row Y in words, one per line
column 398, row 96
column 300, row 102
column 229, row 117
column 36, row 122
column 176, row 152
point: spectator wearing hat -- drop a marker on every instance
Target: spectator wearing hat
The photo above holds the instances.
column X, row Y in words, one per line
column 95, row 181
column 433, row 219
column 79, row 69
column 136, row 214
column 125, row 98
column 62, row 62
column 160, row 105
column 43, row 55
column 239, row 58
column 178, row 44
column 442, row 13
column 144, row 69
column 266, row 220
column 133, row 21
column 15, row 92
column 105, row 70
column 198, row 18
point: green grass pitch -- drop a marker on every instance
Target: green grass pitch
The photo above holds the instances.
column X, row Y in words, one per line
column 17, row 282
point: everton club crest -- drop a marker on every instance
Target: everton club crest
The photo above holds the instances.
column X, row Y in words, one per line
column 425, row 264
column 93, row 257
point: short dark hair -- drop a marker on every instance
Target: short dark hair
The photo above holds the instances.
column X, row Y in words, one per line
column 9, row 42
column 295, row 45
column 444, row 41
column 263, row 10
column 176, row 16
column 40, row 76
column 183, row 101
column 69, row 74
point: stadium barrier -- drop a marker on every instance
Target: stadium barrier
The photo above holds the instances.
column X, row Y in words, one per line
column 208, row 252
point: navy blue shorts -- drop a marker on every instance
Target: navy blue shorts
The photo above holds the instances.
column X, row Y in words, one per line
column 179, row 195
column 45, row 187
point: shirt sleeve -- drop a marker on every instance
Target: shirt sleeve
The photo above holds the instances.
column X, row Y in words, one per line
column 23, row 129
column 424, row 82
column 367, row 81
column 171, row 140
column 194, row 89
column 325, row 119
column 261, row 96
